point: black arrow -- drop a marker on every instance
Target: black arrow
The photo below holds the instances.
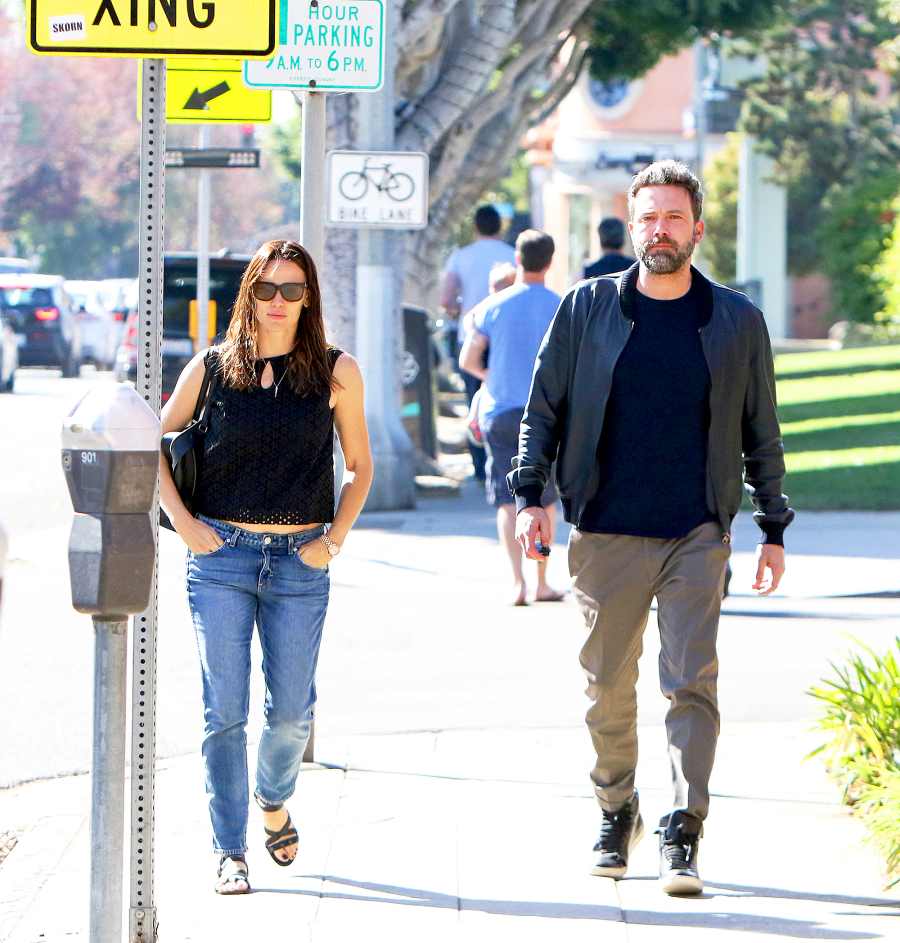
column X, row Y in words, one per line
column 199, row 101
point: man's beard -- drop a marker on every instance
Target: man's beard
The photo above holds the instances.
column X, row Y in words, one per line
column 666, row 260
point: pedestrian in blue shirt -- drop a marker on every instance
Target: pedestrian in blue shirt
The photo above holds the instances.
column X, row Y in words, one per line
column 510, row 326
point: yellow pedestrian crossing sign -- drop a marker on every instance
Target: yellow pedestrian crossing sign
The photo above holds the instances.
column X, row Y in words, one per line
column 157, row 29
column 211, row 91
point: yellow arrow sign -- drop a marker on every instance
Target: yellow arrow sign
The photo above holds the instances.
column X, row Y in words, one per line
column 211, row 91
column 152, row 28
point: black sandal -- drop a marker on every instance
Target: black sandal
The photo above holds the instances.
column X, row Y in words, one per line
column 280, row 838
column 232, row 873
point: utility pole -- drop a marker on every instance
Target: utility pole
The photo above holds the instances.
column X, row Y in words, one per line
column 203, row 209
column 378, row 312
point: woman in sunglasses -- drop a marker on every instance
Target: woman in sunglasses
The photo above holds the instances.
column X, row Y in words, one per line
column 263, row 534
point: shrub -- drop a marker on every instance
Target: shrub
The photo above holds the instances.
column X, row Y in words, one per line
column 851, row 237
column 887, row 271
column 862, row 717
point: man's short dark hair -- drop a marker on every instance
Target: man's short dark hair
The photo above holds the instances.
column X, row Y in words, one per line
column 612, row 233
column 671, row 173
column 535, row 250
column 487, row 220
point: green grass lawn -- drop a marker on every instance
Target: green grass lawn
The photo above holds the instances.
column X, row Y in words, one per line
column 840, row 417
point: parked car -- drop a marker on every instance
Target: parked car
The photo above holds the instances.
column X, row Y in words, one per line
column 179, row 289
column 9, row 352
column 42, row 317
column 99, row 330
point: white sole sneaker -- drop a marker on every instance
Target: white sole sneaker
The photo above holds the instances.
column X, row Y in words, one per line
column 679, row 883
column 619, row 872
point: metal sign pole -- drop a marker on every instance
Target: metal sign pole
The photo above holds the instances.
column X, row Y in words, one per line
column 312, row 179
column 203, row 205
column 108, row 779
column 312, row 227
column 142, row 923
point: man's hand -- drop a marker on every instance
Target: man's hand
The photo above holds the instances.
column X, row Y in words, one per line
column 768, row 557
column 533, row 524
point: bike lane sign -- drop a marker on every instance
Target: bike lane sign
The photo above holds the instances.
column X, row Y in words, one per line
column 325, row 45
column 377, row 189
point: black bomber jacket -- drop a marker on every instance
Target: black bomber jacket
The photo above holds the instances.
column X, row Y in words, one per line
column 570, row 388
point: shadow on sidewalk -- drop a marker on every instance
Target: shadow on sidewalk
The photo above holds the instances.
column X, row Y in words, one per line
column 718, row 920
column 781, row 894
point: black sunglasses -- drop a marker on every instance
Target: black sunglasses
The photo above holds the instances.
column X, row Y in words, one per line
column 290, row 291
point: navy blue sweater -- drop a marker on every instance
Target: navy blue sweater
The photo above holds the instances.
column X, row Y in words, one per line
column 652, row 453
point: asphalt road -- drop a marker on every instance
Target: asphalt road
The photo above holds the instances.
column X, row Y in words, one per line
column 419, row 637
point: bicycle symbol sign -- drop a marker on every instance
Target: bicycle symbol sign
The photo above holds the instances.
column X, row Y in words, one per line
column 354, row 184
column 384, row 190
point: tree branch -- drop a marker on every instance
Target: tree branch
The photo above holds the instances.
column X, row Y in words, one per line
column 419, row 23
column 542, row 108
column 477, row 53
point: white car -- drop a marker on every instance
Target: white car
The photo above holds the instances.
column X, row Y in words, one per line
column 120, row 296
column 9, row 353
column 99, row 330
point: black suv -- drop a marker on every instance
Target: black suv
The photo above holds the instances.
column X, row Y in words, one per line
column 40, row 312
column 179, row 289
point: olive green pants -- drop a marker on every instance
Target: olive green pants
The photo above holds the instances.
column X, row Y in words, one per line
column 615, row 578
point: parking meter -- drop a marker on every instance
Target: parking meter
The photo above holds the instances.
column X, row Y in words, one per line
column 110, row 457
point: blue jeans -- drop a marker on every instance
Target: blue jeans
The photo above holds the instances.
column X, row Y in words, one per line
column 254, row 578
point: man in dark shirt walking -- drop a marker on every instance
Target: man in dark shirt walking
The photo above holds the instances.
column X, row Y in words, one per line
column 651, row 390
column 612, row 237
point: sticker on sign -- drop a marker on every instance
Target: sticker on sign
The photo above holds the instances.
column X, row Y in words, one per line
column 67, row 28
column 326, row 46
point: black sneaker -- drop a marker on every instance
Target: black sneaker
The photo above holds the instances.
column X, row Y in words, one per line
column 619, row 833
column 679, row 840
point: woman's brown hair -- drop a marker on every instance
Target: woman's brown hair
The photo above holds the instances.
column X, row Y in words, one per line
column 308, row 368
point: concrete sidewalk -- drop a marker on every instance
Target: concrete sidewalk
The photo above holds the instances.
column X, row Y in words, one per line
column 474, row 836
column 451, row 800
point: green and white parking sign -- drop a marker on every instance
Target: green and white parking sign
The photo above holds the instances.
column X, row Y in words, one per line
column 328, row 46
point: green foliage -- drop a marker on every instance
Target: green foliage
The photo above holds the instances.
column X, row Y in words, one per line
column 720, row 183
column 281, row 148
column 83, row 244
column 891, row 48
column 861, row 713
column 879, row 804
column 818, row 113
column 862, row 717
column 853, row 233
column 887, row 272
column 512, row 189
column 628, row 39
column 283, row 143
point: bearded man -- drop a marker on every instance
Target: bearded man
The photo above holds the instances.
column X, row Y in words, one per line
column 654, row 390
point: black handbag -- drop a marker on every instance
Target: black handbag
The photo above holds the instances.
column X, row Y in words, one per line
column 183, row 450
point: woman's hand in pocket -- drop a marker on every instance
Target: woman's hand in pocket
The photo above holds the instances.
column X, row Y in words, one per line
column 315, row 554
column 199, row 537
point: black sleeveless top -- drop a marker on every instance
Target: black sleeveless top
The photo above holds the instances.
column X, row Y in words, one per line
column 267, row 458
